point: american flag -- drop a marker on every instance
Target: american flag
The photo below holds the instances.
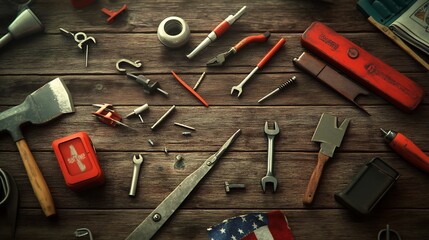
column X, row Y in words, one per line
column 253, row 226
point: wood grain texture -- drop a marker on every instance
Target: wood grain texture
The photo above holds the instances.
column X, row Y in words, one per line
column 110, row 213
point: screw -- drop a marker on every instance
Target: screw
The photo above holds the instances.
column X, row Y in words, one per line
column 186, row 133
column 229, row 186
column 151, row 142
column 165, row 150
column 163, row 117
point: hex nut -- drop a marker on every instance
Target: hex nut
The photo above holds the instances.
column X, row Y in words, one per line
column 173, row 32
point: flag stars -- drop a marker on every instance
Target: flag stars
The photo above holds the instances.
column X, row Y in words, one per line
column 260, row 217
column 222, row 230
column 254, row 226
column 243, row 219
column 233, row 237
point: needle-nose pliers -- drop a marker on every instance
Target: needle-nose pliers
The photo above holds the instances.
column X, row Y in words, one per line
column 220, row 59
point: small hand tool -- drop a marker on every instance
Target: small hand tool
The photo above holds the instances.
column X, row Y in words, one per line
column 163, row 117
column 324, row 73
column 330, row 137
column 138, row 111
column 229, row 186
column 81, row 232
column 387, row 232
column 217, row 32
column 220, row 59
column 136, row 64
column 171, row 203
column 25, row 24
column 82, row 39
column 198, row 96
column 269, row 177
column 407, row 149
column 362, row 66
column 281, row 87
column 108, row 116
column 112, row 14
column 137, row 160
column 148, row 86
column 47, row 103
column 239, row 88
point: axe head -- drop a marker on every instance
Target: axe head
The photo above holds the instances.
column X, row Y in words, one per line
column 46, row 103
column 328, row 134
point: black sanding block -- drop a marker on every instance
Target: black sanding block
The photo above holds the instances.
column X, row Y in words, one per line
column 368, row 187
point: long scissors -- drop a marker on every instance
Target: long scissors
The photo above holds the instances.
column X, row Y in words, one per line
column 166, row 208
column 388, row 232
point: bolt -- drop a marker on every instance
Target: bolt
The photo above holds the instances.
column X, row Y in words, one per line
column 229, row 186
column 156, row 217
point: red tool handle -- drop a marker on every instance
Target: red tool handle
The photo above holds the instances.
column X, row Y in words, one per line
column 221, row 28
column 271, row 53
column 410, row 152
column 256, row 38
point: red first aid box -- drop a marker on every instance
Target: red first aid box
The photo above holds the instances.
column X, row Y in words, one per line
column 78, row 161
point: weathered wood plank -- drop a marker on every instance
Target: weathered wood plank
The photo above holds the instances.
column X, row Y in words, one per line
column 192, row 224
column 60, row 55
column 160, row 175
column 215, row 88
column 215, row 124
column 145, row 16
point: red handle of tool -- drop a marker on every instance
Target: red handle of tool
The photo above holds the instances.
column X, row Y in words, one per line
column 410, row 152
column 271, row 53
column 221, row 28
column 256, row 38
column 190, row 89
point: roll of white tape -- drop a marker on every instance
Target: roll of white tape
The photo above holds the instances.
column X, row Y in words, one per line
column 173, row 32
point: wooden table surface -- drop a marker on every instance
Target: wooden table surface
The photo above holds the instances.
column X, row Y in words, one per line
column 110, row 213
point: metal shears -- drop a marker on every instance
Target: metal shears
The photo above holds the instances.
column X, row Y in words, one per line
column 171, row 203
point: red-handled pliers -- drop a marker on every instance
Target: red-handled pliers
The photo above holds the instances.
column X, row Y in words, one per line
column 220, row 59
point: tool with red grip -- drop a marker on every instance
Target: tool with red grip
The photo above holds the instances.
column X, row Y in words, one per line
column 217, row 32
column 239, row 87
column 363, row 67
column 220, row 59
column 407, row 149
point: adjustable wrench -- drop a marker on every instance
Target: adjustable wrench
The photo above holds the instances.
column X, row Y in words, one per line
column 269, row 178
column 137, row 160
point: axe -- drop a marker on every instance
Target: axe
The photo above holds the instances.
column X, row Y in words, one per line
column 330, row 137
column 48, row 102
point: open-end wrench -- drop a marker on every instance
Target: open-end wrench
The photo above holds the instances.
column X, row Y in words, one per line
column 137, row 160
column 239, row 87
column 269, row 178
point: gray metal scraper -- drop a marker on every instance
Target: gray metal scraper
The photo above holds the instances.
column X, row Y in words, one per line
column 48, row 102
column 330, row 137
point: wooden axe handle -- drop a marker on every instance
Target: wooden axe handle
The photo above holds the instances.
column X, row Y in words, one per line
column 314, row 179
column 37, row 180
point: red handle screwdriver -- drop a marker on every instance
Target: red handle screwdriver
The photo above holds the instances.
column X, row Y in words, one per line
column 407, row 149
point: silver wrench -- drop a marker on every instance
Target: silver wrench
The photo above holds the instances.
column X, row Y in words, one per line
column 239, row 87
column 137, row 160
column 269, row 178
